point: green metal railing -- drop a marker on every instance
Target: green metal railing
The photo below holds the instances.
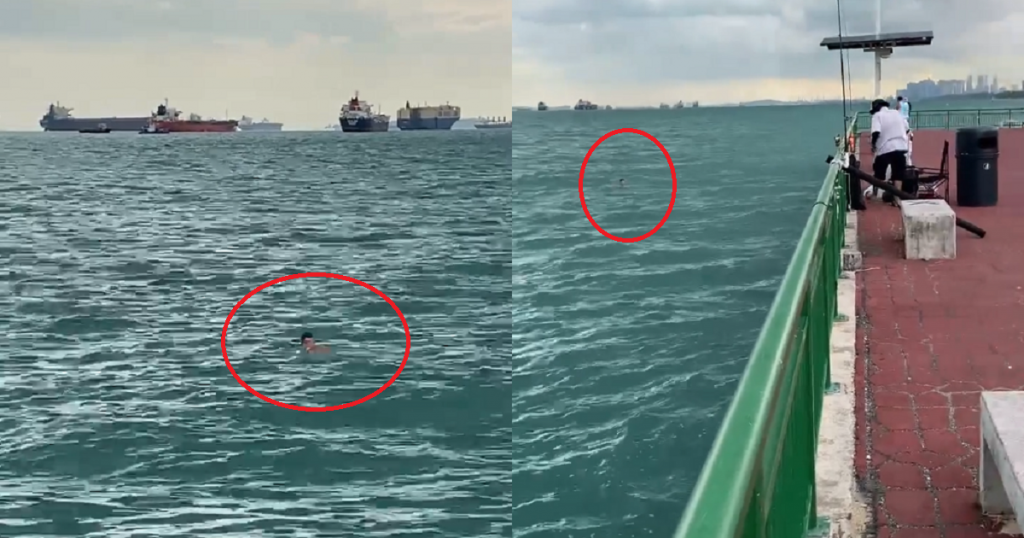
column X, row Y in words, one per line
column 759, row 479
column 955, row 119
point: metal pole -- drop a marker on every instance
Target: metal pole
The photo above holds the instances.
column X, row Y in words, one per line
column 878, row 18
column 878, row 74
column 878, row 53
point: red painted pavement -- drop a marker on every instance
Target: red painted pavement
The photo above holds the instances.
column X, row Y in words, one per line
column 930, row 337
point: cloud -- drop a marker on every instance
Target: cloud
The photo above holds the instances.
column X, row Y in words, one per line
column 294, row 61
column 717, row 47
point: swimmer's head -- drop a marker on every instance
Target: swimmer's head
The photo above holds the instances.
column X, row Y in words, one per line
column 307, row 340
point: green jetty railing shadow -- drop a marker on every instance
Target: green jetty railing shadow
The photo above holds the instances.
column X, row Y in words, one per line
column 759, row 479
column 956, row 119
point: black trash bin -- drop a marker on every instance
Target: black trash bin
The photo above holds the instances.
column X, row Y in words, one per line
column 977, row 160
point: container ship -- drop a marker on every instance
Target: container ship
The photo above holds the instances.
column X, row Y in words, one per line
column 358, row 117
column 167, row 119
column 428, row 118
column 246, row 124
column 59, row 118
column 584, row 105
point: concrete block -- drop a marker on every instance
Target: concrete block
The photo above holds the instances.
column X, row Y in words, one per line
column 929, row 230
column 1002, row 455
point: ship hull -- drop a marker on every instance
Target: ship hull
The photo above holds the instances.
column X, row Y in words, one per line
column 261, row 127
column 363, row 125
column 196, row 126
column 83, row 124
column 426, row 124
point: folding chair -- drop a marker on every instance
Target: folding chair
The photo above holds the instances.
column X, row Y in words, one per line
column 930, row 180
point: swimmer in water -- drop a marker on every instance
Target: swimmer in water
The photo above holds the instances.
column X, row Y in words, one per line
column 622, row 182
column 310, row 345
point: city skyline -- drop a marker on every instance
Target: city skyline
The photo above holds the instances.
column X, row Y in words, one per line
column 979, row 84
column 743, row 50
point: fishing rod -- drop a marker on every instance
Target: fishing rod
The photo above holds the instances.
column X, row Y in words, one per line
column 854, row 196
column 842, row 70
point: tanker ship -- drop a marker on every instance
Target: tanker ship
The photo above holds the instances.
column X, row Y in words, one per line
column 358, row 117
column 246, row 124
column 59, row 118
column 428, row 118
column 167, row 119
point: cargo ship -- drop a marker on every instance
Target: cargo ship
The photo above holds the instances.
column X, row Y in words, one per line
column 167, row 119
column 246, row 124
column 584, row 105
column 358, row 117
column 428, row 118
column 493, row 123
column 59, row 118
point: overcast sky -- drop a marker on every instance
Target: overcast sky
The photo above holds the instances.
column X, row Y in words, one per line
column 651, row 51
column 294, row 61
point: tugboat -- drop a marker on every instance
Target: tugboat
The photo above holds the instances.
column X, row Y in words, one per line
column 493, row 123
column 541, row 106
column 151, row 129
column 99, row 129
column 168, row 119
column 358, row 117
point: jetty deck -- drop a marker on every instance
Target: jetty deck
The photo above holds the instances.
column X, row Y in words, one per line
column 930, row 337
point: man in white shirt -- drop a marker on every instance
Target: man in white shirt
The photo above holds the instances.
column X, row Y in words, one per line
column 890, row 141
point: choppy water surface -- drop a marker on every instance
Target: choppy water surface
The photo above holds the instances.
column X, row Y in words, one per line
column 122, row 256
column 627, row 355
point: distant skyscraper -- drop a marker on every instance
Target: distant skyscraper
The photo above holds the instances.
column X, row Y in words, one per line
column 970, row 83
column 995, row 85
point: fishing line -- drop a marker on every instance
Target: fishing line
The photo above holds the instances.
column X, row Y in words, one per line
column 849, row 64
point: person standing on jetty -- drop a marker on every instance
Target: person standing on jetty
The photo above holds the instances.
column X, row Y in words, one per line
column 890, row 142
column 905, row 108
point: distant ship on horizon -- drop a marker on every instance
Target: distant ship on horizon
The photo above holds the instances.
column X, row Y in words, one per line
column 542, row 106
column 493, row 123
column 59, row 118
column 358, row 117
column 167, row 119
column 246, row 124
column 584, row 105
column 428, row 118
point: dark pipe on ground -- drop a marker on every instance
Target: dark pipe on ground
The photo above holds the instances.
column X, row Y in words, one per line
column 889, row 188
